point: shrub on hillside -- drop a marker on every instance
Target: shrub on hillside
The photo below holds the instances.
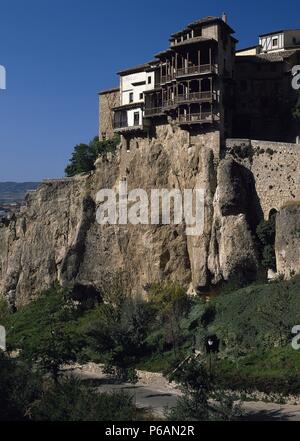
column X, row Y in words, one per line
column 19, row 388
column 71, row 400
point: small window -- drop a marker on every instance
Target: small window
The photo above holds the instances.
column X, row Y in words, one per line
column 128, row 145
column 141, row 96
column 275, row 42
column 131, row 97
column 136, row 118
column 149, row 80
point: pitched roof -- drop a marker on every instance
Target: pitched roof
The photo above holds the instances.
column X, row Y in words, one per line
column 272, row 57
column 138, row 68
column 278, row 32
column 202, row 21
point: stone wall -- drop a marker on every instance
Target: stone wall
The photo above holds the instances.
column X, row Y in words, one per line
column 107, row 101
column 287, row 244
column 275, row 167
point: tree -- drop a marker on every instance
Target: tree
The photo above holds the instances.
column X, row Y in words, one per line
column 85, row 155
column 266, row 232
column 120, row 330
column 19, row 387
column 170, row 303
column 201, row 400
column 42, row 332
column 54, row 350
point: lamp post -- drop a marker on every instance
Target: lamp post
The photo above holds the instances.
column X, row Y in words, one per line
column 210, row 344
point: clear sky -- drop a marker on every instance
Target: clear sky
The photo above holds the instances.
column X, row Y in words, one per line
column 59, row 53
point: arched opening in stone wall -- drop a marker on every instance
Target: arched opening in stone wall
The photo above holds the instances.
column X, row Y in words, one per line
column 266, row 233
column 273, row 212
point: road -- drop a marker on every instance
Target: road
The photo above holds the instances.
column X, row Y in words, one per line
column 157, row 394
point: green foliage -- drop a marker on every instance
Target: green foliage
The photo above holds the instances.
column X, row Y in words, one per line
column 70, row 400
column 41, row 330
column 201, row 400
column 266, row 231
column 85, row 155
column 19, row 388
column 170, row 303
column 4, row 311
column 258, row 317
column 119, row 330
column 273, row 371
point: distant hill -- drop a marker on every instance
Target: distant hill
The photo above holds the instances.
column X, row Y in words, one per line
column 15, row 191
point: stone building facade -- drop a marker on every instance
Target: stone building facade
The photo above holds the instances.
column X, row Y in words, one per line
column 108, row 99
column 202, row 84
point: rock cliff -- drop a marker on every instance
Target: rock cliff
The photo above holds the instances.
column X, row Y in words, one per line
column 57, row 237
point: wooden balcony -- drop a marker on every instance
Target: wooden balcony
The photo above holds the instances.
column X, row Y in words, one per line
column 167, row 78
column 196, row 70
column 195, row 97
column 153, row 111
column 120, row 127
column 197, row 118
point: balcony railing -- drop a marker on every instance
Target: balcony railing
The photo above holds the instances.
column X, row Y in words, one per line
column 195, row 70
column 152, row 111
column 189, row 97
column 201, row 117
column 124, row 127
column 166, row 78
column 194, row 96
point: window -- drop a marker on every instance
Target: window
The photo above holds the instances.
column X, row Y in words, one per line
column 149, row 80
column 141, row 96
column 131, row 97
column 275, row 42
column 136, row 118
column 128, row 145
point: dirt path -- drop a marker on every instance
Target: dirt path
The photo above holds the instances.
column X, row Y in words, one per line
column 153, row 391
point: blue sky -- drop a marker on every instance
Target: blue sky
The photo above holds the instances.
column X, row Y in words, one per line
column 59, row 53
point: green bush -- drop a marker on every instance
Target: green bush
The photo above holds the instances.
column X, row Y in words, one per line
column 201, row 400
column 266, row 232
column 19, row 388
column 85, row 155
column 70, row 400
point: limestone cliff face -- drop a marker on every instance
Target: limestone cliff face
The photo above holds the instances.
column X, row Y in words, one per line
column 287, row 245
column 57, row 237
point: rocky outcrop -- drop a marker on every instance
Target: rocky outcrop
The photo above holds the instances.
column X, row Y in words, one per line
column 57, row 237
column 232, row 250
column 287, row 246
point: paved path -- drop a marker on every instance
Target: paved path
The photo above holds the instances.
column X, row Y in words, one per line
column 157, row 394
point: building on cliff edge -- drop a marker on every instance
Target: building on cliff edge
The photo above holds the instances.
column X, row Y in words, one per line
column 202, row 84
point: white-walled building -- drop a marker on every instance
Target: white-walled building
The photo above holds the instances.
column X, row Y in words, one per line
column 133, row 84
column 277, row 41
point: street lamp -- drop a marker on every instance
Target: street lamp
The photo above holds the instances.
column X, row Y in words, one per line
column 210, row 345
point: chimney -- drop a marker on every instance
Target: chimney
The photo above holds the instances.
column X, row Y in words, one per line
column 224, row 17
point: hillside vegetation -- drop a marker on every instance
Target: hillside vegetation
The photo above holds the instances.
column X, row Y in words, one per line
column 253, row 328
